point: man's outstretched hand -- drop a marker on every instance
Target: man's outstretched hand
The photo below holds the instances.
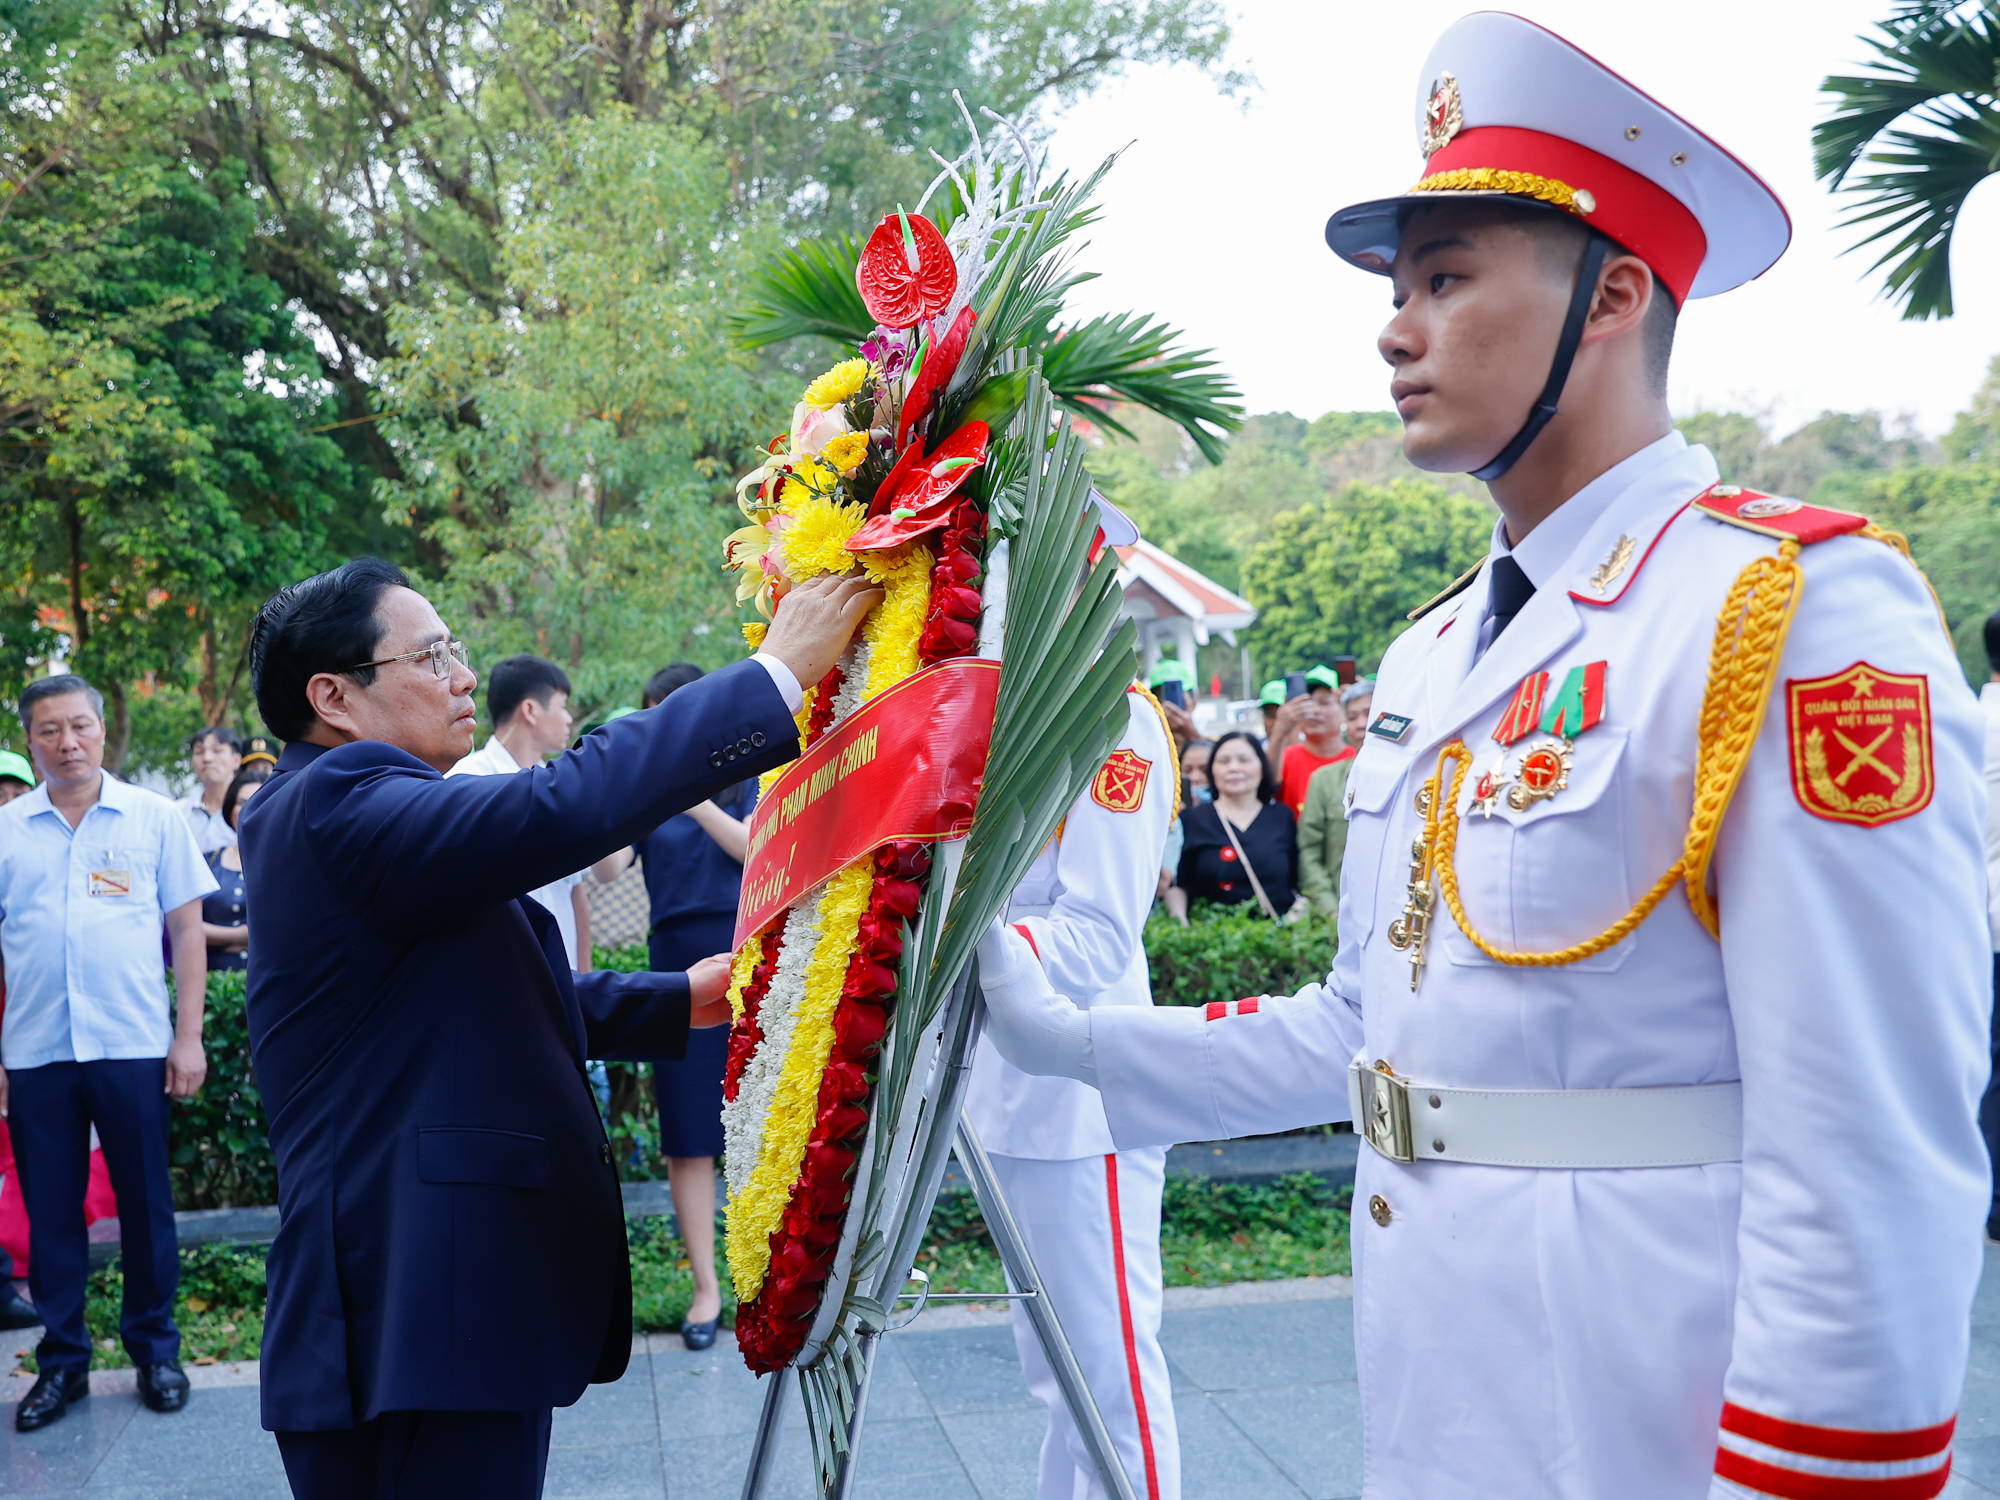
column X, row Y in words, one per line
column 814, row 622
column 708, row 989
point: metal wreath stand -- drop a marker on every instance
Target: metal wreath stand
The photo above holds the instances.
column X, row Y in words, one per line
column 953, row 1041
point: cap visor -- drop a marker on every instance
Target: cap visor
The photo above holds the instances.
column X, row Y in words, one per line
column 1368, row 234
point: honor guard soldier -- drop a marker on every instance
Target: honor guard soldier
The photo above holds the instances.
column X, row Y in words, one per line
column 1662, row 988
column 1089, row 1211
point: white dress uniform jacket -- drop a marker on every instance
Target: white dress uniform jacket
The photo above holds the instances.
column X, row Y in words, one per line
column 1084, row 904
column 1528, row 1332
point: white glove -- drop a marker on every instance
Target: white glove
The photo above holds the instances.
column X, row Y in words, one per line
column 1037, row 1030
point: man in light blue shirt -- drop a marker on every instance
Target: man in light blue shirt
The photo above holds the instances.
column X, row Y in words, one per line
column 90, row 868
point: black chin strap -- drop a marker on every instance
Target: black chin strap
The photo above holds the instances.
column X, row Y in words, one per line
column 1572, row 335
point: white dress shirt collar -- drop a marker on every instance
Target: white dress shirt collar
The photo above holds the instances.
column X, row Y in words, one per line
column 1545, row 549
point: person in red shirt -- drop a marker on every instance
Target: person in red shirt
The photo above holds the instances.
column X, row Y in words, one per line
column 1324, row 740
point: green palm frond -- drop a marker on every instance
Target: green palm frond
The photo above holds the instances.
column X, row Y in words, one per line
column 808, row 289
column 1925, row 116
column 1130, row 357
column 1125, row 357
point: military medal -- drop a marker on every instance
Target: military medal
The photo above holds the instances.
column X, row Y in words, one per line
column 1486, row 791
column 1544, row 768
column 1544, row 772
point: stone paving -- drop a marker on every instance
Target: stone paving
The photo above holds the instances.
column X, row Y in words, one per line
column 1263, row 1389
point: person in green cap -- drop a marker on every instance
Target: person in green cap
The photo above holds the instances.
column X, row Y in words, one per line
column 17, row 777
column 1272, row 701
column 1320, row 741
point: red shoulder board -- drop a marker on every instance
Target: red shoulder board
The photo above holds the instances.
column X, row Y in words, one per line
column 1770, row 515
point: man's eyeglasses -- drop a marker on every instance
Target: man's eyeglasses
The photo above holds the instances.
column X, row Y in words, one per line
column 441, row 653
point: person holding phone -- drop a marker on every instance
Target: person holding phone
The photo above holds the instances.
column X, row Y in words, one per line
column 1321, row 741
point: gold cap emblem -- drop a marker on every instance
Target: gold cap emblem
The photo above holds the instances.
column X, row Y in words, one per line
column 1443, row 116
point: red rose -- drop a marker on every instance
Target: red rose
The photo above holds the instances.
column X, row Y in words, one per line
column 948, row 637
column 858, row 1027
column 828, row 1161
column 957, row 566
column 959, row 602
column 898, row 895
column 842, row 1081
column 840, row 1121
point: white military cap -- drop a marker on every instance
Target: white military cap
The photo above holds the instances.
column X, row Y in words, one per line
column 1509, row 109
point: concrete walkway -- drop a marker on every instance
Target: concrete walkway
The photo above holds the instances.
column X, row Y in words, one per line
column 1263, row 1390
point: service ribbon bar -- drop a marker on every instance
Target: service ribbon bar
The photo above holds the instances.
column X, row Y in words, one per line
column 887, row 773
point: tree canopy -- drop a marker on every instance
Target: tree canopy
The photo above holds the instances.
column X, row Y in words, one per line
column 281, row 283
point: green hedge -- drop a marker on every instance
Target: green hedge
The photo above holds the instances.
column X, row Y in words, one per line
column 1226, row 953
column 222, row 1159
column 221, row 1155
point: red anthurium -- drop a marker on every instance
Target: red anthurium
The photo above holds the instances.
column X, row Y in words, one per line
column 922, row 502
column 906, row 272
column 940, row 364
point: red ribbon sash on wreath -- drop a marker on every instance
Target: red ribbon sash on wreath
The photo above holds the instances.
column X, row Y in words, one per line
column 906, row 765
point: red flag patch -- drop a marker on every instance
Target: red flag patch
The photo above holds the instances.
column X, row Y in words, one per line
column 1120, row 786
column 1861, row 745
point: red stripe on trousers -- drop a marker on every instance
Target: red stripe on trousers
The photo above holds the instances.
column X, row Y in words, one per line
column 1125, row 1322
column 1793, row 1484
column 1849, row 1443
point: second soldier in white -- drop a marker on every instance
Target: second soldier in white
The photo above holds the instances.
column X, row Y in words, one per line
column 1091, row 1213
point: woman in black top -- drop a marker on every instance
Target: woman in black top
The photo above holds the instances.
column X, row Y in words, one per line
column 224, row 920
column 1248, row 797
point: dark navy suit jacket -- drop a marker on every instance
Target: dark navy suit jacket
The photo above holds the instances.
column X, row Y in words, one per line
column 451, row 1234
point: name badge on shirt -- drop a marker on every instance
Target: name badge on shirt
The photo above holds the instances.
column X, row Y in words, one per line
column 1391, row 727
column 110, row 882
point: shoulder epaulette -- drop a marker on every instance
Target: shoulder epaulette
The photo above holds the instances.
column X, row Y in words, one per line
column 1772, row 515
column 1457, row 586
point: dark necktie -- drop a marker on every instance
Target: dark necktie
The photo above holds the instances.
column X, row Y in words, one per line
column 1512, row 588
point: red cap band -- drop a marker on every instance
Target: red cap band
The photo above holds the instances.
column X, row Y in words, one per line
column 1633, row 210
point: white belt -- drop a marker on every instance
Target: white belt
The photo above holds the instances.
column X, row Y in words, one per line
column 1686, row 1126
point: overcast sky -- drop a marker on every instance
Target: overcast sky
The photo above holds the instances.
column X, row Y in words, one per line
column 1213, row 219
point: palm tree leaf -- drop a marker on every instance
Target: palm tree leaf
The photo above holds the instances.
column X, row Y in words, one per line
column 1924, row 118
column 1130, row 357
column 1917, row 61
column 808, row 289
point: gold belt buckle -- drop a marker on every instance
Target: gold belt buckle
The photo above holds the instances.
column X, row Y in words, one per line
column 1385, row 1110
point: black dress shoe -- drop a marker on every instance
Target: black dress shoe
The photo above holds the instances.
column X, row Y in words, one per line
column 699, row 1335
column 49, row 1399
column 162, row 1386
column 17, row 1312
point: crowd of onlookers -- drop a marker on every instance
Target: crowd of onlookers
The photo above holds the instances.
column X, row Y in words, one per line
column 1263, row 815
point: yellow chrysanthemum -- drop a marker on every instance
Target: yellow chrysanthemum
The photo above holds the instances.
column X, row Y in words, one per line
column 740, row 970
column 810, row 477
column 754, row 632
column 816, row 540
column 894, row 626
column 758, row 1209
column 838, row 385
column 846, row 452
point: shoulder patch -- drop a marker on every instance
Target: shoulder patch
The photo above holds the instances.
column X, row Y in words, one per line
column 1860, row 745
column 1772, row 515
column 1457, row 586
column 1120, row 786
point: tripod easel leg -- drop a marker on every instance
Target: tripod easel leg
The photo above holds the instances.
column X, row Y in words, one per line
column 1041, row 1312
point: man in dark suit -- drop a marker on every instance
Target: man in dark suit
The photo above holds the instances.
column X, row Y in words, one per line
column 420, row 1039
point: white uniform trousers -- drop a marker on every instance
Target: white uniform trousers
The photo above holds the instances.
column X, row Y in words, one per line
column 1093, row 1227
